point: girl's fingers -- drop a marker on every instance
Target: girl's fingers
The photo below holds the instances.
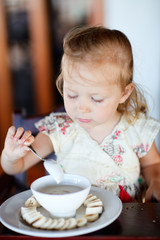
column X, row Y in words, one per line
column 19, row 133
column 26, row 135
column 29, row 140
column 11, row 131
column 20, row 136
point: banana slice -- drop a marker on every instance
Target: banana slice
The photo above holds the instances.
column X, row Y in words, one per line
column 30, row 216
column 89, row 196
column 95, row 203
column 81, row 222
column 60, row 224
column 92, row 217
column 72, row 223
column 53, row 224
column 32, row 202
column 93, row 210
column 47, row 223
column 27, row 209
column 40, row 222
column 65, row 226
column 89, row 199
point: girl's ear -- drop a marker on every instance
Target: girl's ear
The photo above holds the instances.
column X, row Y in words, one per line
column 127, row 92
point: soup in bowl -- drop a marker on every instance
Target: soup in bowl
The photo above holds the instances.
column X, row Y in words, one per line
column 63, row 199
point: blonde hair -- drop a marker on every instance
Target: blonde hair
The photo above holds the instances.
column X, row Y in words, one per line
column 101, row 45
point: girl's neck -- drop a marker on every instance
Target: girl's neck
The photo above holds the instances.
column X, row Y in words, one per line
column 99, row 133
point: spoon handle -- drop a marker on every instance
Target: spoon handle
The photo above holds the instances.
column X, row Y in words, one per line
column 33, row 151
column 51, row 166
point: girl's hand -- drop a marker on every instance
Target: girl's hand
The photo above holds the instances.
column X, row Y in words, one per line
column 153, row 191
column 150, row 165
column 16, row 143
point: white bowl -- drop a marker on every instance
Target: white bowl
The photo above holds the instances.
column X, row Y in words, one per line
column 61, row 204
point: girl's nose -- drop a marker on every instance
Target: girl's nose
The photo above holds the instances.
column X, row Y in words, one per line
column 83, row 107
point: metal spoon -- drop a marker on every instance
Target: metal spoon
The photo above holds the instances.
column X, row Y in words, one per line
column 52, row 166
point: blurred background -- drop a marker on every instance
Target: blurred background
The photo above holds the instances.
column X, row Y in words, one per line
column 31, row 36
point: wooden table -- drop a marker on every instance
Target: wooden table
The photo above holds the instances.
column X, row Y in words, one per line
column 137, row 220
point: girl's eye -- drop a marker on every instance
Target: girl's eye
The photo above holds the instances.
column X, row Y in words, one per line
column 72, row 97
column 97, row 100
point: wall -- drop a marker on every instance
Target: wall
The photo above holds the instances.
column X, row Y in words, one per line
column 139, row 20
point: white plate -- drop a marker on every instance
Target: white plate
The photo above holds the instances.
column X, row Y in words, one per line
column 10, row 215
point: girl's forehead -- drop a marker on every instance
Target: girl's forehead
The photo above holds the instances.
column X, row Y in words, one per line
column 89, row 73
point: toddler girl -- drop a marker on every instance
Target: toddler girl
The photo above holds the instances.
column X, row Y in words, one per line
column 105, row 133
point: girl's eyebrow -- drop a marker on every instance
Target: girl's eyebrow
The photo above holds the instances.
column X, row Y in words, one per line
column 91, row 94
column 98, row 94
column 69, row 89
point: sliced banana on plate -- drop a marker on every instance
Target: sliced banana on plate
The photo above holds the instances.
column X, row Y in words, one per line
column 92, row 217
column 89, row 199
column 29, row 213
column 72, row 223
column 93, row 205
column 32, row 202
column 81, row 221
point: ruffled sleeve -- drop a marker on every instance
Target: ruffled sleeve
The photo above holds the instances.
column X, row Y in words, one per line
column 56, row 126
column 142, row 134
column 52, row 122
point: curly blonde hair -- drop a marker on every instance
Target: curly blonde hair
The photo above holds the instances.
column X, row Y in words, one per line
column 101, row 45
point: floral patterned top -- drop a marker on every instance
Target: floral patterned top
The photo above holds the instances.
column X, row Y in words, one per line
column 113, row 164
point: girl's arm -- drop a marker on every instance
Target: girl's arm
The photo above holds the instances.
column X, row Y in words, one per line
column 16, row 156
column 150, row 165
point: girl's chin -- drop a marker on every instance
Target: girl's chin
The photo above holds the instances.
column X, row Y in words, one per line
column 85, row 126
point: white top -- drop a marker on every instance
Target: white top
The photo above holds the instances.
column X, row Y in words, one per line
column 113, row 164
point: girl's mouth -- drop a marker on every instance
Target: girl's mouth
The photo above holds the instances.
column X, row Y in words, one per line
column 82, row 120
